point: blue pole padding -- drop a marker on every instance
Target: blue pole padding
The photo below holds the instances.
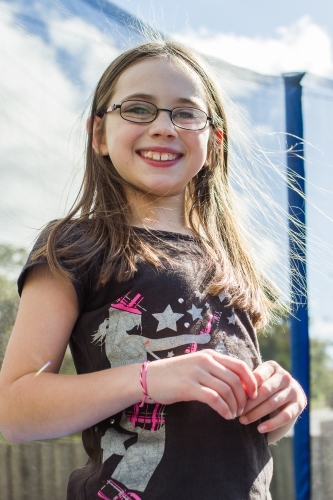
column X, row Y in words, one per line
column 299, row 331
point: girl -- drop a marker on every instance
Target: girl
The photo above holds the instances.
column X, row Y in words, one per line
column 150, row 281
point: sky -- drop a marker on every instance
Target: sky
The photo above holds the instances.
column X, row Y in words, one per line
column 268, row 37
column 51, row 59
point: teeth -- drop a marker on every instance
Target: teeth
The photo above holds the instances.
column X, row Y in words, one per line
column 153, row 155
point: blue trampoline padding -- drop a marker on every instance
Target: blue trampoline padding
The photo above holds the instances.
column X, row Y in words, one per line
column 299, row 332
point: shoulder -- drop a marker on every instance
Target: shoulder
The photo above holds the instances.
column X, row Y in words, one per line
column 65, row 232
column 63, row 246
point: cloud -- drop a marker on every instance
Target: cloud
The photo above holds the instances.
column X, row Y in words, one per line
column 36, row 106
column 41, row 103
column 89, row 49
column 302, row 46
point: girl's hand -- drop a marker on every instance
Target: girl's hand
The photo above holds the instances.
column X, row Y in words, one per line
column 279, row 395
column 222, row 382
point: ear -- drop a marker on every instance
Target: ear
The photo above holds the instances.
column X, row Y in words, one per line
column 219, row 136
column 98, row 137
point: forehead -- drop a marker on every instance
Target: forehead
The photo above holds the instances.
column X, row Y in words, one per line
column 166, row 82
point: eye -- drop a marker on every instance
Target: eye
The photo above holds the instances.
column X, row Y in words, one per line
column 189, row 115
column 138, row 110
column 185, row 114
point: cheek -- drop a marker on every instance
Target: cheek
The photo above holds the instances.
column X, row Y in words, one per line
column 201, row 146
column 119, row 146
column 114, row 131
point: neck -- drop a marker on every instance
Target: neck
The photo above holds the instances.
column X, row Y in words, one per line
column 162, row 213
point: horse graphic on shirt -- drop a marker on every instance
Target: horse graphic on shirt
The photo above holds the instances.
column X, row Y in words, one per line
column 147, row 422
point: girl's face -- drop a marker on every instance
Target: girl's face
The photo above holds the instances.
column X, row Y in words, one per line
column 137, row 150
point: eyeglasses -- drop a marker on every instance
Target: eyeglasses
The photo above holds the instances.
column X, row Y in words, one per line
column 145, row 112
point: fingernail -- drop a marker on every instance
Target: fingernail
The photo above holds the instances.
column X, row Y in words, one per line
column 244, row 420
column 262, row 428
column 229, row 416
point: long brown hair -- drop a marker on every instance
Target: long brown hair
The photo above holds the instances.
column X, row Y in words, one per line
column 210, row 208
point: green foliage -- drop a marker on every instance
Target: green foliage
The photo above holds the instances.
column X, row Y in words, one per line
column 67, row 367
column 11, row 259
column 321, row 373
column 275, row 344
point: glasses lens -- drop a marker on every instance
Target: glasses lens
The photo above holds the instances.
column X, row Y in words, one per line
column 189, row 118
column 138, row 111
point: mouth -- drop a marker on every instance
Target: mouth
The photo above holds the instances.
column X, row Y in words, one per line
column 160, row 156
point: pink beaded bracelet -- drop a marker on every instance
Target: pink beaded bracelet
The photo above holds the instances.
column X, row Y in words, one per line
column 143, row 382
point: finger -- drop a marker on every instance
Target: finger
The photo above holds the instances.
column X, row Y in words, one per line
column 234, row 382
column 284, row 416
column 227, row 389
column 267, row 390
column 214, row 400
column 242, row 370
column 267, row 407
column 264, row 371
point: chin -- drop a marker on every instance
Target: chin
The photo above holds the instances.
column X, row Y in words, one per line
column 166, row 193
column 160, row 191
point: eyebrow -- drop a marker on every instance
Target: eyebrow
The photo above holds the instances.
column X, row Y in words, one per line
column 151, row 98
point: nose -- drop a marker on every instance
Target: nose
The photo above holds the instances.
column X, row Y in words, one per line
column 162, row 125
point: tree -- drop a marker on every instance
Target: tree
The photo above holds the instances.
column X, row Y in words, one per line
column 275, row 344
column 11, row 259
column 321, row 373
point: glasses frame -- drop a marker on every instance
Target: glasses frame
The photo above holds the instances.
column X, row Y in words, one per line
column 114, row 107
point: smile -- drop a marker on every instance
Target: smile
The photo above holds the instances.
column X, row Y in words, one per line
column 155, row 155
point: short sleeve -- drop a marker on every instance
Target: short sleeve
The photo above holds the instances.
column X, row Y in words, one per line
column 78, row 281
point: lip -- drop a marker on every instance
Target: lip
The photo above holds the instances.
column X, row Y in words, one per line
column 160, row 149
column 158, row 163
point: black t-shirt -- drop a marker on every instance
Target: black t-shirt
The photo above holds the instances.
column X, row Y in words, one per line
column 165, row 452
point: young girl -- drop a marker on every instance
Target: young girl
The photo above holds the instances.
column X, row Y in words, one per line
column 151, row 282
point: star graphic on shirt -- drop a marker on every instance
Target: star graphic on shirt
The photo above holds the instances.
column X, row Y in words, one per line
column 195, row 312
column 223, row 296
column 170, row 354
column 113, row 443
column 232, row 319
column 234, row 338
column 221, row 348
column 198, row 294
column 167, row 319
column 207, row 305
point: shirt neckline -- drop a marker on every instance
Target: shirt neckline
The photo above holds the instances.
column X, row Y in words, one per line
column 166, row 234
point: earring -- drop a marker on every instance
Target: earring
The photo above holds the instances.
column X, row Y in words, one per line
column 219, row 136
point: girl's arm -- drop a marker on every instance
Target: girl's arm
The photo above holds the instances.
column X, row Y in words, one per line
column 52, row 405
column 280, row 396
